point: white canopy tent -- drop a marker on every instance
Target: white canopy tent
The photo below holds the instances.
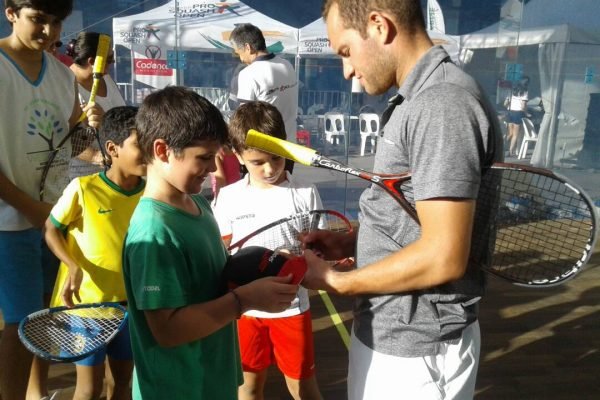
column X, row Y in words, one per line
column 159, row 38
column 199, row 24
column 567, row 37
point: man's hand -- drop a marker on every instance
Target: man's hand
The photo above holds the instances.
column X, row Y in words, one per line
column 329, row 245
column 320, row 274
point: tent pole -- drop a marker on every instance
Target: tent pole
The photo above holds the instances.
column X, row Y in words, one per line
column 297, row 68
column 132, row 63
column 176, row 73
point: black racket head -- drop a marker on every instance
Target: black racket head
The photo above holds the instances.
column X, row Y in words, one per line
column 255, row 262
column 65, row 334
column 545, row 226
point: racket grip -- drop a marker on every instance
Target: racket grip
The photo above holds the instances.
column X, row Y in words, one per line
column 283, row 148
column 101, row 54
column 82, row 117
column 98, row 69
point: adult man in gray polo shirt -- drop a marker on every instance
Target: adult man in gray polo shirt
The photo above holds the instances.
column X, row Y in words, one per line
column 415, row 332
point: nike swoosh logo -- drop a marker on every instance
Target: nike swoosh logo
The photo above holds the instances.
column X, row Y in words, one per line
column 102, row 211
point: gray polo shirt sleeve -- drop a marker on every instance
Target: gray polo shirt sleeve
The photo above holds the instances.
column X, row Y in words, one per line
column 445, row 143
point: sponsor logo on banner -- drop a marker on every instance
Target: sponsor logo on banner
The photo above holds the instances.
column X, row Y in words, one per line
column 204, row 9
column 151, row 31
column 148, row 66
column 139, row 34
column 153, row 52
column 317, row 45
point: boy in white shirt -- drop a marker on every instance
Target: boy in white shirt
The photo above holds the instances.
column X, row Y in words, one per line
column 269, row 193
column 38, row 106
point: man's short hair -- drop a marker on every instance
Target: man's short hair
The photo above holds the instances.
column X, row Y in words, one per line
column 259, row 115
column 61, row 9
column 250, row 34
column 179, row 116
column 408, row 14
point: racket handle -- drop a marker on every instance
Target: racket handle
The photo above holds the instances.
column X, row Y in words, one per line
column 99, row 64
column 283, row 148
column 98, row 69
column 82, row 117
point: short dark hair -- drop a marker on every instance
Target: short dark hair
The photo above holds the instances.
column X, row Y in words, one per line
column 59, row 8
column 117, row 124
column 179, row 116
column 408, row 14
column 83, row 47
column 259, row 115
column 248, row 33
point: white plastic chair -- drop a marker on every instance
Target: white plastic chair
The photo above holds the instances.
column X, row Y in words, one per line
column 530, row 136
column 334, row 128
column 369, row 129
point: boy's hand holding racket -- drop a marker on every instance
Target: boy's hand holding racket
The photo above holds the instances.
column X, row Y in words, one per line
column 270, row 294
column 255, row 262
column 93, row 113
column 90, row 110
column 263, row 279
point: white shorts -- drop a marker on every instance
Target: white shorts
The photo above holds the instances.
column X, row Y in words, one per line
column 451, row 374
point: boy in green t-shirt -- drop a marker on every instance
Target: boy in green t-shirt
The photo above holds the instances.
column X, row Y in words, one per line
column 183, row 336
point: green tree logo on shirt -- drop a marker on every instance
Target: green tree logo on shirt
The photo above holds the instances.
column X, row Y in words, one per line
column 43, row 123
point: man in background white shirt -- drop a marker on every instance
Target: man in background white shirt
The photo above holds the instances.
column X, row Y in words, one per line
column 267, row 77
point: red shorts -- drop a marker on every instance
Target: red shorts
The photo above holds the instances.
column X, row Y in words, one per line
column 287, row 342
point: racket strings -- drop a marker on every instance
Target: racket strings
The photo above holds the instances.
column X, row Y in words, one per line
column 55, row 175
column 285, row 236
column 542, row 225
column 87, row 156
column 63, row 165
column 70, row 333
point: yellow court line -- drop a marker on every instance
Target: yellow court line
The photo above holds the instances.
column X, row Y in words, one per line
column 335, row 318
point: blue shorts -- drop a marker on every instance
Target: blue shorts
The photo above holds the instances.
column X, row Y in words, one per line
column 515, row 117
column 119, row 349
column 28, row 270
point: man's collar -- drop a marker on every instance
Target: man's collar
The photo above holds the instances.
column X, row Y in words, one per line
column 394, row 101
column 422, row 70
column 264, row 57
